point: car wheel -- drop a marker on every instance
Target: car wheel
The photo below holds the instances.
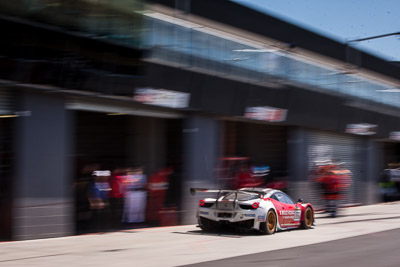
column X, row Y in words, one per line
column 308, row 218
column 205, row 225
column 269, row 227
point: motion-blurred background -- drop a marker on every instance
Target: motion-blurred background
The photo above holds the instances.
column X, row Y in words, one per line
column 111, row 110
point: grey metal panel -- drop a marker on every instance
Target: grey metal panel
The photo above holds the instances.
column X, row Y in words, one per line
column 201, row 148
column 43, row 173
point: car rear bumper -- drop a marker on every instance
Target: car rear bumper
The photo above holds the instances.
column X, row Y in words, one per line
column 235, row 218
column 245, row 224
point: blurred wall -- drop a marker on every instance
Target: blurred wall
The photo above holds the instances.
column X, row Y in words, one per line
column 201, row 148
column 43, row 186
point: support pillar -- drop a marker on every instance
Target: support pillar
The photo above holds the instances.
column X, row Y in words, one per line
column 43, row 199
column 201, row 149
column 373, row 167
column 298, row 163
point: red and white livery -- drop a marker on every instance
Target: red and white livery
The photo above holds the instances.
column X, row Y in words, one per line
column 264, row 209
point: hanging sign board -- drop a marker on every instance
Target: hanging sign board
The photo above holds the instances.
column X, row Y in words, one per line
column 266, row 114
column 361, row 128
column 394, row 136
column 162, row 97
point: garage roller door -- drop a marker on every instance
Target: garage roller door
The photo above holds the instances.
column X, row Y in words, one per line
column 341, row 148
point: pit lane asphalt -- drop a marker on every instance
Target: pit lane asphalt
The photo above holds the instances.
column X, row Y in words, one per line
column 183, row 245
column 376, row 249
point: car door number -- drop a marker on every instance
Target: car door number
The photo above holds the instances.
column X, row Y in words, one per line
column 297, row 214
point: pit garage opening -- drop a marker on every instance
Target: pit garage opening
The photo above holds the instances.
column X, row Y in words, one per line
column 111, row 145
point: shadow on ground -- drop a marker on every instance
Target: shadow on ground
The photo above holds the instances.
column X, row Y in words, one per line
column 232, row 233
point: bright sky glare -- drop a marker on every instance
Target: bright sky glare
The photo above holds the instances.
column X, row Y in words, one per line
column 342, row 20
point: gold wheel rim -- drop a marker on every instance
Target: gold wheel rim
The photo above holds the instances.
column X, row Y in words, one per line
column 271, row 221
column 308, row 217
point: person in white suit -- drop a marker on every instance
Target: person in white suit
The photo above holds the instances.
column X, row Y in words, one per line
column 135, row 196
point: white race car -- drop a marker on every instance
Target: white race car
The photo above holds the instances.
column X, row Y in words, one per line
column 263, row 209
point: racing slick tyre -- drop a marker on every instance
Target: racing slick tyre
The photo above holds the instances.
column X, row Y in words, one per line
column 205, row 225
column 308, row 218
column 269, row 227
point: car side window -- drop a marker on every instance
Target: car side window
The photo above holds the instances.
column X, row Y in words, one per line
column 281, row 197
column 278, row 196
column 287, row 199
column 274, row 197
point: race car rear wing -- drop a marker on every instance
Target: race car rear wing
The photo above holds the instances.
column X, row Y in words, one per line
column 193, row 191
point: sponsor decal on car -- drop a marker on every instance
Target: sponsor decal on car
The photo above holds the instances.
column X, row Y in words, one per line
column 297, row 214
column 261, row 218
column 286, row 212
column 250, row 215
column 203, row 212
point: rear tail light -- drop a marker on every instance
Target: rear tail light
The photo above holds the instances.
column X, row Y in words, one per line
column 201, row 203
column 253, row 206
column 204, row 204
